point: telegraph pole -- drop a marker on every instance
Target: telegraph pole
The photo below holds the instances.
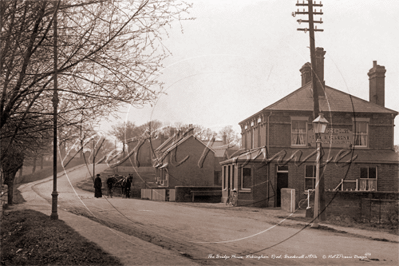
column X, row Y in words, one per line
column 319, row 186
column 310, row 12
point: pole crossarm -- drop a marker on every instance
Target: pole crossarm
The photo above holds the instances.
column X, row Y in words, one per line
column 307, row 13
column 306, row 29
column 307, row 21
column 310, row 12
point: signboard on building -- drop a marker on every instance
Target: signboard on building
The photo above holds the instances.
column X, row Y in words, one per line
column 334, row 137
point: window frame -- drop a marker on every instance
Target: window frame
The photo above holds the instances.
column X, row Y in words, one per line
column 368, row 179
column 299, row 119
column 224, row 179
column 242, row 188
column 309, row 177
column 356, row 134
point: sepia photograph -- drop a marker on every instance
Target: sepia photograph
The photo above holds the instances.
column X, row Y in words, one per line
column 199, row 132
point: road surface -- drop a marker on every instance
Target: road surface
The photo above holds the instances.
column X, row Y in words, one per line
column 218, row 235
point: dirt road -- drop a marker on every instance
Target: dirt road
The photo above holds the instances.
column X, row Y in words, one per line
column 218, row 234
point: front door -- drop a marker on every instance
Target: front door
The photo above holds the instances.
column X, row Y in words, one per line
column 282, row 182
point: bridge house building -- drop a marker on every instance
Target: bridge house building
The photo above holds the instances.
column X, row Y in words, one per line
column 280, row 148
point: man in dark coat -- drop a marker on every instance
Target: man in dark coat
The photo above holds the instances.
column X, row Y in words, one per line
column 97, row 187
column 110, row 183
column 129, row 182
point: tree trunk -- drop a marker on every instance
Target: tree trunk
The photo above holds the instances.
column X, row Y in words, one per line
column 34, row 164
column 41, row 161
column 20, row 171
column 10, row 191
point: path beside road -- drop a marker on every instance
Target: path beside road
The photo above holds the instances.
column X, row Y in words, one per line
column 132, row 250
column 128, row 249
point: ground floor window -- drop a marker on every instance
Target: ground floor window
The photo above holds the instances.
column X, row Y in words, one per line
column 310, row 177
column 224, row 177
column 368, row 178
column 246, row 178
column 232, row 177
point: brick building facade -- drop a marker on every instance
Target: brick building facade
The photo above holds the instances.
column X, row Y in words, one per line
column 280, row 148
column 184, row 160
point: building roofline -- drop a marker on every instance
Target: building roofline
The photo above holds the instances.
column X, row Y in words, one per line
column 308, row 85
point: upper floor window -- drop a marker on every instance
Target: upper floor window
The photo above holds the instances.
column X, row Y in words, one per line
column 298, row 133
column 368, row 178
column 361, row 133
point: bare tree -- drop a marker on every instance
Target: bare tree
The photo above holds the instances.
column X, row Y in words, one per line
column 228, row 134
column 127, row 132
column 23, row 146
column 109, row 54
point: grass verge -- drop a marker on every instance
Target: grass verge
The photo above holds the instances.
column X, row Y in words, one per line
column 29, row 237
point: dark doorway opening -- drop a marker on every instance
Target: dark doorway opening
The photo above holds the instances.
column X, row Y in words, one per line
column 282, row 182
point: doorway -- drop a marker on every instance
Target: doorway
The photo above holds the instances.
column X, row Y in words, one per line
column 282, row 182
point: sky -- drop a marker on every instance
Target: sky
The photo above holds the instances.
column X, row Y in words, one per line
column 239, row 56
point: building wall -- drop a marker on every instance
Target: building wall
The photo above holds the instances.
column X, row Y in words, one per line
column 189, row 173
column 278, row 126
column 380, row 129
column 387, row 180
column 360, row 206
column 145, row 155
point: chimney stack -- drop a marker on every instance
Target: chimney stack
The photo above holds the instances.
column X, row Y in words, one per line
column 320, row 70
column 377, row 84
column 306, row 73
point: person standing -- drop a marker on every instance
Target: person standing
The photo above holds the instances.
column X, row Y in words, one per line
column 129, row 182
column 97, row 187
column 110, row 183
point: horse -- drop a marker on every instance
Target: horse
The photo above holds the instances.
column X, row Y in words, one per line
column 122, row 184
